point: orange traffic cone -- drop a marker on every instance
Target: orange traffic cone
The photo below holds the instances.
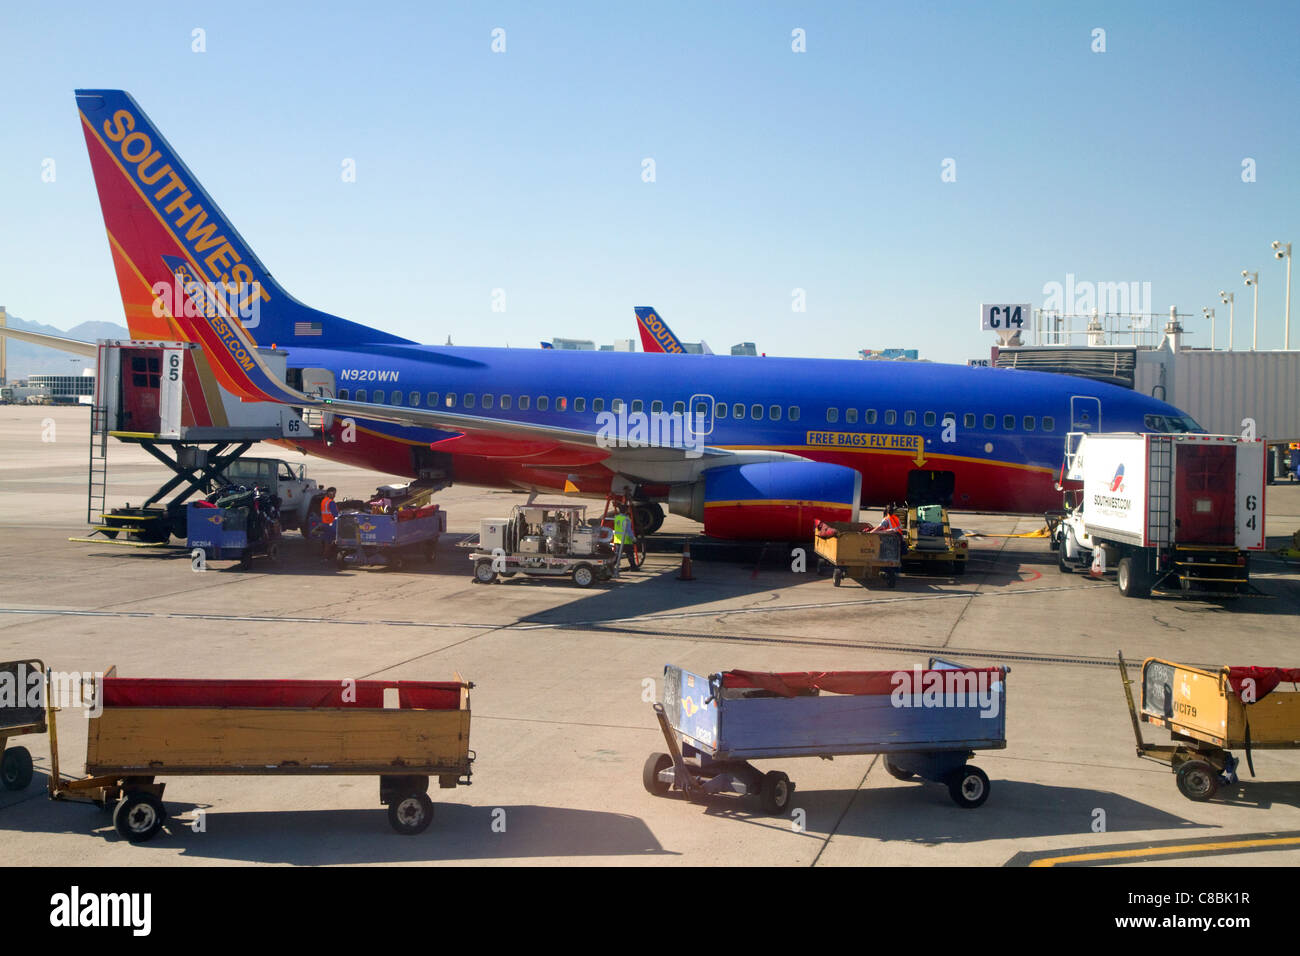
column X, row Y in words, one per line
column 685, row 574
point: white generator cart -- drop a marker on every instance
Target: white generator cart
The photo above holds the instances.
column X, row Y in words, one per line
column 547, row 541
column 1168, row 512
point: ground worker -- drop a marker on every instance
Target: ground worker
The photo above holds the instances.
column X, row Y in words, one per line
column 329, row 511
column 623, row 537
column 890, row 522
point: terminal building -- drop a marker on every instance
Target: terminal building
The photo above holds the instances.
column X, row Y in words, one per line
column 1228, row 392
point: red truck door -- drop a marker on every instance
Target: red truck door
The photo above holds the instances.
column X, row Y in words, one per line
column 1204, row 493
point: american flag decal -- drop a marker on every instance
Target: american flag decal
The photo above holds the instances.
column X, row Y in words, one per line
column 306, row 328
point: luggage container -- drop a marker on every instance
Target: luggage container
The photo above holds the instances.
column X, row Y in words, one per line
column 404, row 732
column 228, row 534
column 1170, row 512
column 1209, row 713
column 855, row 552
column 20, row 715
column 389, row 539
column 714, row 726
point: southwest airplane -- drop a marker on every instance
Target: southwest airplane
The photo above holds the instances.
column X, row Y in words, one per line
column 752, row 449
column 657, row 337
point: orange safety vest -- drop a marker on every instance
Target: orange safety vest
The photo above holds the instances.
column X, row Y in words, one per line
column 326, row 515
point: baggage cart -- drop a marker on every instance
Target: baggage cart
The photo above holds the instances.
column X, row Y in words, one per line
column 389, row 539
column 403, row 732
column 1210, row 713
column 926, row 722
column 19, row 715
column 855, row 552
column 223, row 534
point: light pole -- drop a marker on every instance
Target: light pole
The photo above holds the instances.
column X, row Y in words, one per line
column 1282, row 250
column 1252, row 278
column 1209, row 314
column 1229, row 298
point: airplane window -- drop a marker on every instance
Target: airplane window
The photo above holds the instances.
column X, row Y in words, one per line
column 851, row 416
column 616, row 405
column 431, row 399
column 505, row 402
column 561, row 403
column 701, row 408
column 637, row 405
column 909, row 418
column 738, row 411
column 487, row 401
column 361, row 395
column 468, row 400
column 891, row 416
column 343, row 394
column 1049, row 423
column 656, row 406
column 379, row 397
column 450, row 400
column 720, row 410
column 1009, row 422
column 948, row 417
column 968, row 420
column 756, row 412
column 597, row 404
column 1029, row 423
column 543, row 403
column 524, row 402
column 579, row 404
column 679, row 408
column 869, row 416
column 397, row 398
column 1171, row 423
column 413, row 399
column 990, row 421
column 774, row 412
column 832, row 414
column 793, row 413
column 929, row 419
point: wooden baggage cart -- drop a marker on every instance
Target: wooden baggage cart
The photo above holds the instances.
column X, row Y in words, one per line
column 19, row 715
column 1209, row 713
column 857, row 553
column 715, row 726
column 404, row 732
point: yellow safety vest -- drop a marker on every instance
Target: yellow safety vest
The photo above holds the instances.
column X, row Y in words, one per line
column 622, row 529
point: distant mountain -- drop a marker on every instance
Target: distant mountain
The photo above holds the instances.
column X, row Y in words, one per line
column 25, row 359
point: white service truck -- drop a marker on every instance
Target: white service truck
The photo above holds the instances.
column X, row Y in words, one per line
column 1171, row 512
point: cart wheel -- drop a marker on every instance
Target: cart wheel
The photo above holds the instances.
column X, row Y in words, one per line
column 891, row 577
column 483, row 572
column 777, row 792
column 139, row 816
column 1062, row 562
column 583, row 575
column 1197, row 780
column 429, row 553
column 897, row 772
column 969, row 787
column 411, row 814
column 654, row 764
column 341, row 560
column 395, row 562
column 837, row 577
column 16, row 768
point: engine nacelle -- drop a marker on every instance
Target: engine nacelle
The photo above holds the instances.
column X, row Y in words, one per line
column 776, row 500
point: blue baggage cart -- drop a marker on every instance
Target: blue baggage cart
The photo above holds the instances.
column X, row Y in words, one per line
column 222, row 534
column 364, row 539
column 927, row 722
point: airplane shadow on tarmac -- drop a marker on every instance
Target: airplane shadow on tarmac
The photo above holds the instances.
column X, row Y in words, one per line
column 322, row 837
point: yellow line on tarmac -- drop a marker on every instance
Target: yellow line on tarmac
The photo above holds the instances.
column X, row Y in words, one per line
column 1166, row 851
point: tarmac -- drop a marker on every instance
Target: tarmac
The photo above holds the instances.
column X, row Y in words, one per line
column 562, row 719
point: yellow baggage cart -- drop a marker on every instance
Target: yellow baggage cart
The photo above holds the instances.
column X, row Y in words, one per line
column 857, row 553
column 1210, row 713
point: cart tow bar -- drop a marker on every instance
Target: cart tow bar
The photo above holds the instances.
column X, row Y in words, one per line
column 682, row 776
column 1132, row 709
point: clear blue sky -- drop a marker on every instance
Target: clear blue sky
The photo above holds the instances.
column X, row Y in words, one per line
column 775, row 170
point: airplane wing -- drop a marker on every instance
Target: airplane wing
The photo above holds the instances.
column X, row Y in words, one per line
column 86, row 349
